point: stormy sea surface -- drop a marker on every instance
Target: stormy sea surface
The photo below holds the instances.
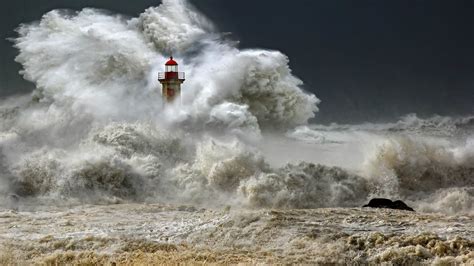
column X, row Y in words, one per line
column 95, row 169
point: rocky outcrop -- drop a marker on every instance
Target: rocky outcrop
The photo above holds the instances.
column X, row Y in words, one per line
column 388, row 204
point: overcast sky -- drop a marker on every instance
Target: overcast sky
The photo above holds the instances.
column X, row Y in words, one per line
column 366, row 60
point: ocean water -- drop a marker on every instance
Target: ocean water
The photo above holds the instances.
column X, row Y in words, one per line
column 94, row 168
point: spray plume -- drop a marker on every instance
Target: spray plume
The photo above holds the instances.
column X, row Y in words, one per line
column 97, row 131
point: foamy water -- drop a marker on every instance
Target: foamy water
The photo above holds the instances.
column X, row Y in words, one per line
column 147, row 234
column 96, row 132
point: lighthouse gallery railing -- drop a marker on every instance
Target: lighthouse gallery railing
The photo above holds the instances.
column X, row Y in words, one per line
column 170, row 75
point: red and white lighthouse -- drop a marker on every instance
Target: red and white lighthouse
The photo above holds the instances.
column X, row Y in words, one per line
column 171, row 81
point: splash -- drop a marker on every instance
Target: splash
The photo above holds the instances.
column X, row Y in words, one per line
column 95, row 74
column 175, row 26
column 96, row 131
column 431, row 170
column 427, row 162
column 97, row 64
column 138, row 162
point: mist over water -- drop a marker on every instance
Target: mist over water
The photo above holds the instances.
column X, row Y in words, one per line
column 95, row 129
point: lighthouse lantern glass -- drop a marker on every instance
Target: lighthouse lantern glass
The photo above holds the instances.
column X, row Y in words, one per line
column 171, row 68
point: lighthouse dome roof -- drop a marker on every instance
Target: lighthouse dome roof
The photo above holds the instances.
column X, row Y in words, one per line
column 171, row 62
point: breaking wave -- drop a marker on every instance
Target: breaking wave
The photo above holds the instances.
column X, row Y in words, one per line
column 427, row 162
column 139, row 162
column 96, row 130
column 438, row 172
column 91, row 62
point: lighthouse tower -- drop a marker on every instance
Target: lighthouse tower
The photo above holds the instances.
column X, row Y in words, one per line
column 171, row 81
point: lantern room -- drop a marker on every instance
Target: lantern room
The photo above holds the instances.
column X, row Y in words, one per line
column 171, row 65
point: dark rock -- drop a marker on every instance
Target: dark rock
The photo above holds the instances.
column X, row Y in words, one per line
column 388, row 204
column 400, row 205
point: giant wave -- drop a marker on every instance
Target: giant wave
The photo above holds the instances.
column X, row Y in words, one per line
column 95, row 130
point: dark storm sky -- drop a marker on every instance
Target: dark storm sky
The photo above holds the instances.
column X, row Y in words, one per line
column 366, row 60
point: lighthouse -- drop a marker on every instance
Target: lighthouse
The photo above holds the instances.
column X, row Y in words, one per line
column 171, row 81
